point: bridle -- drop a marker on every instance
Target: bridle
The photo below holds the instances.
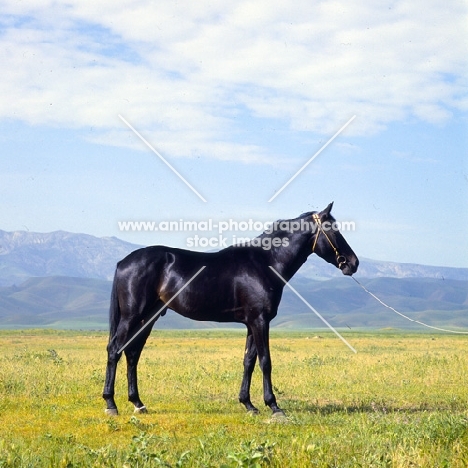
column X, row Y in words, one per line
column 340, row 259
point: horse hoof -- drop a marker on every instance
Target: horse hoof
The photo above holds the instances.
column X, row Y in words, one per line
column 140, row 410
column 279, row 417
column 111, row 411
column 253, row 412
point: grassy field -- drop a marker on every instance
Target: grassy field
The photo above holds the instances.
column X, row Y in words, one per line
column 401, row 401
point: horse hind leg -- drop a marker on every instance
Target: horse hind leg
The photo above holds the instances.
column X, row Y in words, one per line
column 133, row 353
column 108, row 393
column 113, row 357
column 130, row 338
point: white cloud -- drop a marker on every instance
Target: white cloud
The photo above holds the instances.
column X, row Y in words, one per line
column 194, row 74
column 412, row 157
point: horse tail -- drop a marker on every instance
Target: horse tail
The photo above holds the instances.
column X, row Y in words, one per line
column 114, row 309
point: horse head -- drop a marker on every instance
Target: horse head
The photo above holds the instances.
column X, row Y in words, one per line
column 329, row 243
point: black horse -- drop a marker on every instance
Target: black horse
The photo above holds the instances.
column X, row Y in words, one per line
column 236, row 285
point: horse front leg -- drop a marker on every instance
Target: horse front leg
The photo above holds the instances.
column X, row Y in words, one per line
column 250, row 358
column 260, row 332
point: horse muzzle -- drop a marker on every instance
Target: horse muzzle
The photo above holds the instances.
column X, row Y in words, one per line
column 341, row 261
column 348, row 268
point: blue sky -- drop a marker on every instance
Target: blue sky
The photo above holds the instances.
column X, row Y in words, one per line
column 237, row 97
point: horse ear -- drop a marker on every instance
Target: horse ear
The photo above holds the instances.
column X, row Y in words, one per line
column 326, row 212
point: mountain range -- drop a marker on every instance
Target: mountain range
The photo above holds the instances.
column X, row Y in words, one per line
column 63, row 280
column 26, row 254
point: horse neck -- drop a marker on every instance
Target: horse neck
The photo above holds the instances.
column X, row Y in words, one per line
column 286, row 260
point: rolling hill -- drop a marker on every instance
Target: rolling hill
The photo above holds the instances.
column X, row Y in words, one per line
column 61, row 302
column 63, row 280
column 64, row 302
column 343, row 303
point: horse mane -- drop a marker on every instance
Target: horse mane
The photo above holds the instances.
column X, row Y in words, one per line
column 278, row 232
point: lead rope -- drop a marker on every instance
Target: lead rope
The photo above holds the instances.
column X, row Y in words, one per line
column 405, row 316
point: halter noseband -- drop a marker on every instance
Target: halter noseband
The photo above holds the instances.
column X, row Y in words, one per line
column 340, row 259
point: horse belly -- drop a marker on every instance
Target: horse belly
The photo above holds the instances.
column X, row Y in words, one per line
column 207, row 311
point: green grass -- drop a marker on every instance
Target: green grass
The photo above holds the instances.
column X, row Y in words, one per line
column 401, row 401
